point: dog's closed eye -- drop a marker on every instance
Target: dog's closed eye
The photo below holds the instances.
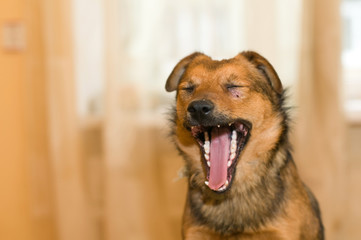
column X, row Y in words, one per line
column 234, row 89
column 232, row 86
column 188, row 88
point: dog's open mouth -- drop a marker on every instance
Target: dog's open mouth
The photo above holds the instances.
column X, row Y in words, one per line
column 221, row 146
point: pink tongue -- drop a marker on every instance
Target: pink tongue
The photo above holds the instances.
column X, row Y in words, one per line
column 219, row 153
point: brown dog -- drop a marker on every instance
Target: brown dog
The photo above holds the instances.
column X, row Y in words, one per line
column 231, row 126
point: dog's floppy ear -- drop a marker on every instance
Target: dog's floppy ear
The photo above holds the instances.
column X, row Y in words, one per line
column 265, row 68
column 177, row 73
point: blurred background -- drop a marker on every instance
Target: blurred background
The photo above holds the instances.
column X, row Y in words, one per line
column 84, row 145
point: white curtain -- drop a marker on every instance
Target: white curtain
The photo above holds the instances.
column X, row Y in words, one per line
column 144, row 41
column 149, row 37
column 129, row 188
column 320, row 148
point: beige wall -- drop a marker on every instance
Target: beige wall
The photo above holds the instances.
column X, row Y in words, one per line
column 26, row 198
column 14, row 201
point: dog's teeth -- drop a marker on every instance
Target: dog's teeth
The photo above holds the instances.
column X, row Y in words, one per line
column 206, row 146
column 209, row 163
column 233, row 147
column 234, row 142
column 218, row 125
column 234, row 135
column 206, row 183
column 206, row 156
column 206, row 137
column 233, row 155
column 226, row 184
column 229, row 163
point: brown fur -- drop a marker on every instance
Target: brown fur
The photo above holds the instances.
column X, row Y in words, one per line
column 267, row 199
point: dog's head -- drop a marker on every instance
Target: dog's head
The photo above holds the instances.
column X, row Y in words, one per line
column 228, row 116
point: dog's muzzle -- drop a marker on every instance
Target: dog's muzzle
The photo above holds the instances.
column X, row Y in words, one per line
column 221, row 140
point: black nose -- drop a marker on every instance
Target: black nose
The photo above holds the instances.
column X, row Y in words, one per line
column 200, row 109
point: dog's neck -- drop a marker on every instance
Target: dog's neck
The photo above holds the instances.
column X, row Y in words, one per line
column 245, row 206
